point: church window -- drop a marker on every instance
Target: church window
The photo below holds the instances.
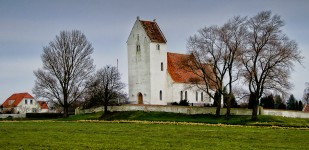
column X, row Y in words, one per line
column 138, row 48
column 161, row 66
column 201, row 96
column 181, row 95
column 161, row 95
column 186, row 98
column 158, row 46
column 196, row 96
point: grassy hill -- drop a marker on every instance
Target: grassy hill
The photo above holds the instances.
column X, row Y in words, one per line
column 208, row 119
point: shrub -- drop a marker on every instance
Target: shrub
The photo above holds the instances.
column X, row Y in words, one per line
column 184, row 103
column 174, row 103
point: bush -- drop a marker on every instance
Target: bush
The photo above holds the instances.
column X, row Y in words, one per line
column 184, row 103
column 174, row 103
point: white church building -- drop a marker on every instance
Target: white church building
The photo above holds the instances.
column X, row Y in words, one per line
column 154, row 74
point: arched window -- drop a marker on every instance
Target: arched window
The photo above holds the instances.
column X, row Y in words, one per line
column 161, row 95
column 201, row 96
column 162, row 66
column 196, row 96
column 138, row 48
column 180, row 95
column 158, row 46
column 186, row 98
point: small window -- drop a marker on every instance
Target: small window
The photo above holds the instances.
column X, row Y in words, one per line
column 162, row 66
column 196, row 96
column 186, row 98
column 158, row 46
column 201, row 96
column 31, row 101
column 137, row 36
column 180, row 95
column 161, row 95
column 138, row 48
column 26, row 102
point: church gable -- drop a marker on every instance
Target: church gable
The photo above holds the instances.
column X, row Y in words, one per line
column 153, row 31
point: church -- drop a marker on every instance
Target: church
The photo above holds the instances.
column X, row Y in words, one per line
column 155, row 78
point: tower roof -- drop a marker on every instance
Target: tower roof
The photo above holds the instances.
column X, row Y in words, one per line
column 153, row 31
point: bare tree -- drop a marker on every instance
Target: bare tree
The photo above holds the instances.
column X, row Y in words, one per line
column 66, row 66
column 268, row 58
column 105, row 85
column 219, row 47
column 232, row 34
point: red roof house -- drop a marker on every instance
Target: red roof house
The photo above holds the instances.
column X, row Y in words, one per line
column 21, row 103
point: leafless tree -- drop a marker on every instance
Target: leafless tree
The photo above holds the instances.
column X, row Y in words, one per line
column 219, row 47
column 66, row 65
column 105, row 85
column 268, row 58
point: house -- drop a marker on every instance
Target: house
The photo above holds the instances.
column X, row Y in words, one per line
column 21, row 103
column 43, row 107
column 154, row 75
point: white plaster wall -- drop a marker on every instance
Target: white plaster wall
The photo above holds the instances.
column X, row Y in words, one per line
column 176, row 88
column 158, row 77
column 138, row 64
column 27, row 108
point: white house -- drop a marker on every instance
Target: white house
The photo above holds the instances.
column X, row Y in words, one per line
column 155, row 76
column 23, row 103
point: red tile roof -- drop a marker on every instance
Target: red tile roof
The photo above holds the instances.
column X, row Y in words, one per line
column 153, row 31
column 306, row 108
column 17, row 97
column 43, row 104
column 182, row 74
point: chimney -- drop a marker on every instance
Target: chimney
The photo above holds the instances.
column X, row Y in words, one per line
column 154, row 20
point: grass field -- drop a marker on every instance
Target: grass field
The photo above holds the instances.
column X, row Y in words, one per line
column 103, row 135
column 154, row 130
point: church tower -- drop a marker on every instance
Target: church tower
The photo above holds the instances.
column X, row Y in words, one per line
column 147, row 64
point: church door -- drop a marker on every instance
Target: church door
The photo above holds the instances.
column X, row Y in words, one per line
column 140, row 98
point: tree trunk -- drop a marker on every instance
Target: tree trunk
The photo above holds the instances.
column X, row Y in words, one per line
column 105, row 109
column 218, row 105
column 255, row 102
column 66, row 111
column 65, row 107
column 228, row 106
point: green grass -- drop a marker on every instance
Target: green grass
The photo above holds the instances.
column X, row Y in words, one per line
column 209, row 119
column 102, row 135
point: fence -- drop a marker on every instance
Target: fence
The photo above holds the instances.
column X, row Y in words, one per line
column 196, row 110
column 173, row 109
column 12, row 115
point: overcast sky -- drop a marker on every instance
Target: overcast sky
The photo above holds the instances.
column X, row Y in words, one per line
column 28, row 25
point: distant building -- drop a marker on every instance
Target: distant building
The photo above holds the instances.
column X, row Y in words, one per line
column 43, row 106
column 155, row 76
column 22, row 103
